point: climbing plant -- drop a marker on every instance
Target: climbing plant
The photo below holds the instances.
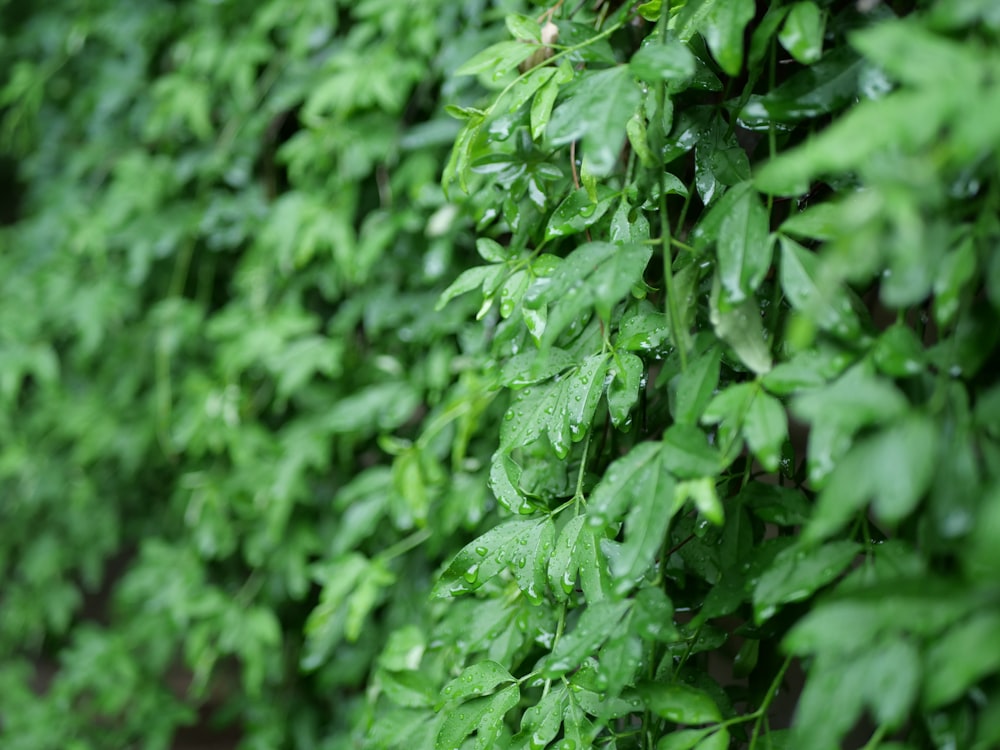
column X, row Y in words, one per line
column 500, row 374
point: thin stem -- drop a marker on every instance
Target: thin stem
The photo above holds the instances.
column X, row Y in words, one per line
column 772, row 690
column 406, row 544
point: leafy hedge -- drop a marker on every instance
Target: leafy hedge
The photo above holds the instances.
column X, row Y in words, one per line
column 727, row 413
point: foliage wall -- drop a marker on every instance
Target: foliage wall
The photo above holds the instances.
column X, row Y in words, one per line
column 468, row 374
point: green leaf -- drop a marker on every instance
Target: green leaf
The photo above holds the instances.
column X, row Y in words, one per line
column 658, row 61
column 491, row 251
column 797, row 573
column 527, row 368
column 687, row 454
column 596, row 113
column 743, row 246
column 706, row 499
column 595, row 577
column 645, row 529
column 497, row 59
column 679, row 703
column 505, row 478
column 596, row 624
column 693, row 389
column 535, row 410
column 695, row 739
column 623, row 483
column 653, row 614
column 893, row 468
column 476, row 680
column 563, row 563
column 531, row 559
column 802, row 34
column 469, row 279
column 481, row 715
column 742, row 328
column 596, row 275
column 584, row 387
column 481, row 559
column 899, row 353
column 325, row 625
column 545, row 99
column 623, row 390
column 577, row 212
column 540, row 723
column 721, row 22
column 961, row 658
column 523, row 27
column 766, row 429
column 819, row 296
column 957, row 269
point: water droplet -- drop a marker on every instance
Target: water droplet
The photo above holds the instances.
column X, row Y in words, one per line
column 482, row 551
column 471, row 573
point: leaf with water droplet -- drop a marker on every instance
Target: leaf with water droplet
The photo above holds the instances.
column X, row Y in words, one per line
column 453, row 580
column 562, row 567
column 766, row 429
column 596, row 624
column 651, row 508
column 693, row 388
column 584, row 387
column 482, row 715
column 623, row 390
column 623, row 481
column 505, row 475
column 476, row 680
column 578, row 211
column 540, row 723
column 798, row 572
column 536, row 546
column 688, row 454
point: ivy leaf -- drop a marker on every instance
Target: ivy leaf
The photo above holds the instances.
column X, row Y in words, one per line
column 596, row 112
column 802, row 34
column 481, row 559
column 596, row 624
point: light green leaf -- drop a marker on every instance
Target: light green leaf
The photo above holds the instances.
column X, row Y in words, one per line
column 491, row 251
column 623, row 390
column 645, row 528
column 899, row 353
column 798, row 572
column 540, row 723
column 469, row 279
column 693, row 389
column 657, row 61
column 623, row 483
column 545, row 99
column 497, row 59
column 505, row 476
column 476, row 680
column 687, row 454
column 481, row 715
column 563, row 563
column 743, row 246
column 325, row 625
column 960, row 658
column 527, row 368
column 531, row 559
column 577, row 212
column 706, row 499
column 533, row 411
column 679, row 703
column 597, row 623
column 481, row 559
column 802, row 34
column 596, row 112
column 893, row 468
column 742, row 328
column 820, row 297
column 722, row 23
column 589, row 559
column 695, row 739
column 766, row 429
column 523, row 27
column 584, row 387
column 957, row 269
column 596, row 275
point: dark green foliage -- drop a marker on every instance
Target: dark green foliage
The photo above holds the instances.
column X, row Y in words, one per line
column 408, row 375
